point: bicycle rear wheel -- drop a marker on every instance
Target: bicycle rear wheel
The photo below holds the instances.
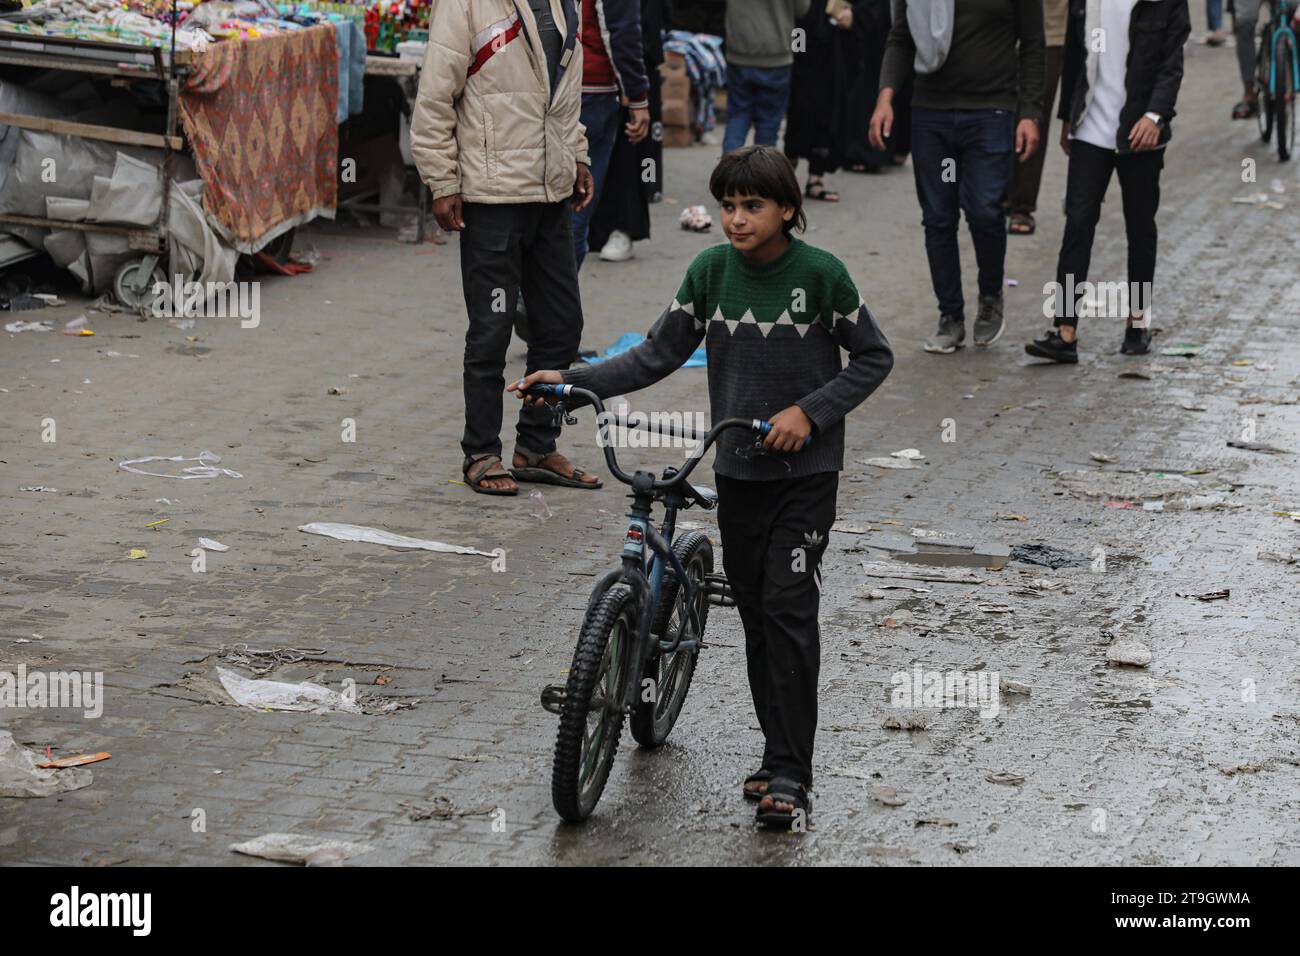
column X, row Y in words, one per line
column 660, row 702
column 1264, row 113
column 1285, row 101
column 592, row 717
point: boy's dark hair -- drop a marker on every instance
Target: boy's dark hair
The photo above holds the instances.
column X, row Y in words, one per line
column 760, row 171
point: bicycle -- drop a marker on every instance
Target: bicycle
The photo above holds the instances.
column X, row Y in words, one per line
column 644, row 624
column 1277, row 77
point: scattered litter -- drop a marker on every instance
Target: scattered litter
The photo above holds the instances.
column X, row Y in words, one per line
column 1241, row 768
column 916, row 721
column 1193, row 407
column 1213, row 502
column 1133, row 653
column 49, row 298
column 1011, row 517
column 207, row 544
column 1241, row 363
column 1293, row 558
column 112, row 354
column 952, row 577
column 335, row 390
column 897, row 619
column 847, row 772
column 154, row 524
column 1009, row 779
column 352, row 532
column 277, row 695
column 890, row 462
column 1134, row 486
column 162, row 501
column 77, row 326
column 1207, row 595
column 206, row 467
column 996, row 608
column 1102, row 457
column 76, row 760
column 263, row 661
column 53, row 491
column 304, row 850
column 872, row 594
column 22, row 776
column 1013, row 687
column 844, row 528
column 29, row 326
column 1259, row 447
column 135, row 554
column 908, row 454
column 1293, row 515
column 697, row 219
column 935, row 822
column 541, row 510
column 885, row 795
column 1184, row 349
column 1047, row 556
column 904, row 587
column 444, row 809
column 1263, row 367
column 181, row 323
column 1013, row 282
column 629, row 340
column 1251, row 199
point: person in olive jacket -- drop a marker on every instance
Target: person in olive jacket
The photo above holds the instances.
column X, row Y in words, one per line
column 1117, row 100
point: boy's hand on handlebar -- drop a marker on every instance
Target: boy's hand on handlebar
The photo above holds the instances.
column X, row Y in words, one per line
column 790, row 429
column 545, row 377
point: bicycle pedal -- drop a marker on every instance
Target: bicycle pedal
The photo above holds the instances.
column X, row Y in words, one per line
column 553, row 697
column 719, row 591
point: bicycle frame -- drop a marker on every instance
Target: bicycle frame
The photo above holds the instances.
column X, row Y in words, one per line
column 1282, row 31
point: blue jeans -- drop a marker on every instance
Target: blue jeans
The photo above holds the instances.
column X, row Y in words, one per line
column 756, row 96
column 600, row 114
column 1214, row 14
column 963, row 161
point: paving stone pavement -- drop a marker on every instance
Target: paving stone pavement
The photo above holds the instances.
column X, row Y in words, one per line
column 1191, row 760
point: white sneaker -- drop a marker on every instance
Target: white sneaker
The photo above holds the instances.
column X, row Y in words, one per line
column 618, row 247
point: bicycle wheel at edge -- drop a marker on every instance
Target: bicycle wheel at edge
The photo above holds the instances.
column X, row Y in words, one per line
column 1285, row 100
column 653, row 720
column 1263, row 100
column 592, row 717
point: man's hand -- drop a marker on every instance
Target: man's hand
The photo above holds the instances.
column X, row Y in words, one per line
column 1026, row 138
column 584, row 189
column 1065, row 137
column 845, row 18
column 1144, row 135
column 790, row 429
column 882, row 120
column 639, row 125
column 546, row 377
column 447, row 211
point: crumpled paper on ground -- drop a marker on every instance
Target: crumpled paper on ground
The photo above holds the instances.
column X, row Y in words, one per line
column 297, row 848
column 354, row 532
column 277, row 695
column 21, row 777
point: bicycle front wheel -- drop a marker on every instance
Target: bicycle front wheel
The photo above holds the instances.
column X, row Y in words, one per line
column 667, row 676
column 1263, row 98
column 1285, row 100
column 592, row 716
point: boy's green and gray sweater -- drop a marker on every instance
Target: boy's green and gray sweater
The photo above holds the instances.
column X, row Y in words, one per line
column 773, row 335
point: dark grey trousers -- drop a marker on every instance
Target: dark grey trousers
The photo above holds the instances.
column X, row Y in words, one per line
column 506, row 249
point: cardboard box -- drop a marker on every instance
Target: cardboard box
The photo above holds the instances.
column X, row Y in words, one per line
column 677, row 137
column 677, row 113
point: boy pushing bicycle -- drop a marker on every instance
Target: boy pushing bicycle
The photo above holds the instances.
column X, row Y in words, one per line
column 774, row 313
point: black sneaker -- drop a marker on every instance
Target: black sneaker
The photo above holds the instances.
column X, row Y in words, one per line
column 1136, row 341
column 1050, row 345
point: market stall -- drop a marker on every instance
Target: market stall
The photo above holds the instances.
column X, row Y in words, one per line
column 219, row 118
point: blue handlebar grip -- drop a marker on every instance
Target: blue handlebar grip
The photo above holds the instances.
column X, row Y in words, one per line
column 764, row 427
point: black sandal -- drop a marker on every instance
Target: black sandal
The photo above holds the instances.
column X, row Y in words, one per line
column 785, row 790
column 1246, row 109
column 1021, row 224
column 758, row 776
column 818, row 190
column 488, row 462
column 535, row 471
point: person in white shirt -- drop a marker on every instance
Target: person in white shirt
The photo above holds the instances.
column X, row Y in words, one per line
column 1123, row 69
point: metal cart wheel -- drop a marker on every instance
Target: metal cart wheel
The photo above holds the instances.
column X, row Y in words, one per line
column 133, row 285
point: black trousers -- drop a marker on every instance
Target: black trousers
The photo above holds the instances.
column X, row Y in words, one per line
column 504, row 249
column 1027, row 176
column 774, row 534
column 1086, row 183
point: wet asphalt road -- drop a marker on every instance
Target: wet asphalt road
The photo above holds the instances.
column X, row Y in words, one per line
column 1192, row 759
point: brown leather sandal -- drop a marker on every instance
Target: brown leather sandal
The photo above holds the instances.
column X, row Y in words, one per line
column 535, row 469
column 476, row 470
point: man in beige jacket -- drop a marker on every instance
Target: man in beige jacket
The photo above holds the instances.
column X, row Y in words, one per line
column 497, row 138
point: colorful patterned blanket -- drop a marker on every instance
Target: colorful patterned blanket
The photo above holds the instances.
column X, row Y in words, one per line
column 261, row 116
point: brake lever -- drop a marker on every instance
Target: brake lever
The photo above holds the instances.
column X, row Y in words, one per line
column 560, row 415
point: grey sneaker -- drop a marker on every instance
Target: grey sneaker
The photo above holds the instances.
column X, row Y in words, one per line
column 949, row 338
column 988, row 321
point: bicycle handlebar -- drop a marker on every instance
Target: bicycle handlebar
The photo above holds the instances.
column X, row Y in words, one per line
column 758, row 426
